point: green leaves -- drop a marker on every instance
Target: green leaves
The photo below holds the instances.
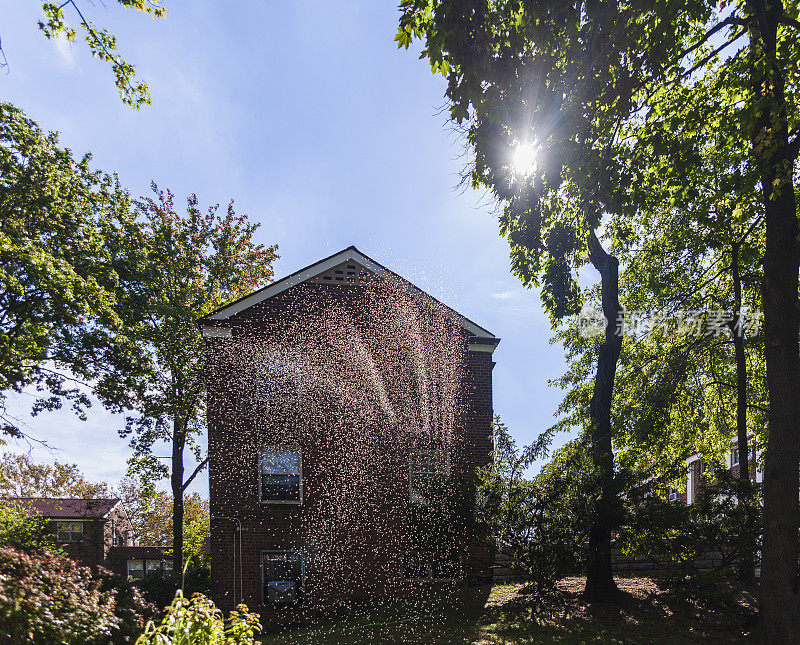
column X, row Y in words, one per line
column 61, row 229
column 102, row 44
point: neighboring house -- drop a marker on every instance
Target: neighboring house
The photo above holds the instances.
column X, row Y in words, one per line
column 311, row 489
column 97, row 532
column 700, row 471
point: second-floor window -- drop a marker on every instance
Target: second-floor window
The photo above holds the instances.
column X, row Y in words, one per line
column 69, row 531
column 280, row 476
column 734, row 457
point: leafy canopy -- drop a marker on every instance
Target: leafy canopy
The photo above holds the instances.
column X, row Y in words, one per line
column 63, row 228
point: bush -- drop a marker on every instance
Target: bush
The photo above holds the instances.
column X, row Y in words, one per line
column 198, row 622
column 540, row 523
column 160, row 589
column 48, row 598
column 680, row 537
column 25, row 531
column 131, row 607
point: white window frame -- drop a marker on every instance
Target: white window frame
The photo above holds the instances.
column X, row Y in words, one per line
column 72, row 539
column 418, row 499
column 734, row 457
column 283, row 448
column 164, row 566
column 673, row 494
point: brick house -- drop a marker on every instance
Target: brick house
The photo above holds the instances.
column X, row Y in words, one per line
column 95, row 532
column 700, row 470
column 344, row 404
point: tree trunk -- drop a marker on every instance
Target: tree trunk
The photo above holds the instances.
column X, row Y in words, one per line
column 600, row 583
column 747, row 565
column 176, row 481
column 779, row 616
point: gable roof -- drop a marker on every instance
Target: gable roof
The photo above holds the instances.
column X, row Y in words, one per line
column 68, row 508
column 317, row 272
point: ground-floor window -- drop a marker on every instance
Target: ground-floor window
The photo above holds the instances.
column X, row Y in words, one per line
column 431, row 566
column 283, row 577
column 138, row 568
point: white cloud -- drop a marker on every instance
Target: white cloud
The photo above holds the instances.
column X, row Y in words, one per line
column 65, row 50
column 503, row 295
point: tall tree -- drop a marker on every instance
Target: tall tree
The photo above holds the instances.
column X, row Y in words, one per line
column 490, row 50
column 61, row 232
column 150, row 512
column 187, row 264
column 552, row 83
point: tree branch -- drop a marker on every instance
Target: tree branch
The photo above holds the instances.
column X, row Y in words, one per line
column 197, row 470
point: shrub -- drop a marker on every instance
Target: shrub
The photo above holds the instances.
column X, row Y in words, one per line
column 160, row 589
column 541, row 523
column 25, row 531
column 198, row 622
column 680, row 537
column 48, row 598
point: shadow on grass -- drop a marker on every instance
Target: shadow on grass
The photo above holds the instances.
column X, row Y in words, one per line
column 503, row 615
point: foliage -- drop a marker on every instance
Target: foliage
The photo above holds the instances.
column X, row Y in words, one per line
column 541, row 523
column 131, row 606
column 47, row 598
column 102, row 44
column 22, row 477
column 23, row 530
column 150, row 513
column 160, row 589
column 185, row 265
column 62, row 229
column 197, row 621
column 196, row 534
column 680, row 537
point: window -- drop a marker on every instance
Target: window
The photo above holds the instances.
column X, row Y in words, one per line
column 69, row 531
column 673, row 494
column 283, row 577
column 734, row 457
column 431, row 566
column 425, row 468
column 136, row 569
column 280, row 480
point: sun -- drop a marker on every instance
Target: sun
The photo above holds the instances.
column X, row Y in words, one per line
column 524, row 159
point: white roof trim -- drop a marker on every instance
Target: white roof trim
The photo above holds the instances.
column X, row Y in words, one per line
column 333, row 261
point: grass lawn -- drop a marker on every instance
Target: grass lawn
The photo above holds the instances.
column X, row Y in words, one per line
column 505, row 614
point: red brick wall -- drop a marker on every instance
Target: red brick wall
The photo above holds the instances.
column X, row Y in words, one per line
column 372, row 540
column 89, row 551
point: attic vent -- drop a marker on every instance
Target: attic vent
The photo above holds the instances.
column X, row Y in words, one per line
column 346, row 273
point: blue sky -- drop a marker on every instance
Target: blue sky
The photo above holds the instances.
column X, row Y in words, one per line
column 321, row 130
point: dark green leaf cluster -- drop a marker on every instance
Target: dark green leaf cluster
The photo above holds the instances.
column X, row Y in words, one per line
column 541, row 523
column 63, row 229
